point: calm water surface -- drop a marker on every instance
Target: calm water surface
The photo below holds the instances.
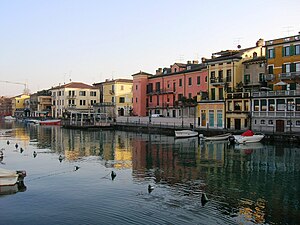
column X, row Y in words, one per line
column 251, row 184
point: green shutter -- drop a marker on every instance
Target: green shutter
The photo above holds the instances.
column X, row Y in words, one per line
column 283, row 68
column 283, row 51
column 292, row 50
column 293, row 67
column 293, row 86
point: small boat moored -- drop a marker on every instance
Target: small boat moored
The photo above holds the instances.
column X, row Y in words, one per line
column 221, row 137
column 9, row 177
column 50, row 122
column 248, row 137
column 185, row 133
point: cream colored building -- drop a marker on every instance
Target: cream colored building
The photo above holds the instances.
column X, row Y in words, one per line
column 73, row 97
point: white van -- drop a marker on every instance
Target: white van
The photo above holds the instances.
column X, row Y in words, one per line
column 156, row 115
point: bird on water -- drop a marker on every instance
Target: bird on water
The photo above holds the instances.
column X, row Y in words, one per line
column 150, row 188
column 34, row 154
column 16, row 145
column 113, row 175
column 21, row 150
column 7, row 142
column 204, row 199
column 76, row 168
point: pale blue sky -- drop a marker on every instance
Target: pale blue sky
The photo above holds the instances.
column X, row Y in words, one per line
column 47, row 42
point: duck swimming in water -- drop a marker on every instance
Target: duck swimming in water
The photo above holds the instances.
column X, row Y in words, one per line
column 113, row 175
column 204, row 199
column 34, row 154
column 150, row 188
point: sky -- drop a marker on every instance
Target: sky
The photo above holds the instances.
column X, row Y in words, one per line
column 44, row 43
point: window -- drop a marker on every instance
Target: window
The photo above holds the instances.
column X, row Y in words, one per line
column 261, row 77
column 219, row 118
column 180, row 96
column 81, row 93
column 206, row 79
column 150, row 99
column 198, row 80
column 297, row 49
column 122, row 87
column 212, row 74
column 93, row 102
column 271, row 53
column 190, row 81
column 221, row 95
column 121, row 100
column 82, row 102
column 213, row 94
column 297, row 67
column 286, row 51
column 136, row 100
column 211, row 118
column 256, row 105
column 157, row 86
column 297, row 122
column 286, row 68
column 263, row 105
column 270, row 122
column 180, row 82
column 247, row 78
column 270, row 69
column 113, row 99
column 136, row 87
column 228, row 76
column 190, row 95
column 271, row 105
column 157, row 100
column 220, row 75
column 93, row 93
column 262, row 122
column 261, row 65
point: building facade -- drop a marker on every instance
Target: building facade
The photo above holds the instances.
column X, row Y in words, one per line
column 171, row 92
column 73, row 97
column 20, row 106
column 5, row 106
column 40, row 104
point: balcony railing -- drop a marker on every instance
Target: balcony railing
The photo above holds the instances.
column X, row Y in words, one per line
column 276, row 93
column 290, row 75
column 238, row 95
column 265, row 114
column 217, row 81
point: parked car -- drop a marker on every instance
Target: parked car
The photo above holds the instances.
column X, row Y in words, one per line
column 156, row 115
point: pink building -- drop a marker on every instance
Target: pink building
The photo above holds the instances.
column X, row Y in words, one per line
column 169, row 89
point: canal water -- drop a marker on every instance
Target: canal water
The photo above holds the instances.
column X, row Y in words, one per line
column 69, row 179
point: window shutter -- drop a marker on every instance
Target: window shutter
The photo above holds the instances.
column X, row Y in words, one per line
column 267, row 51
column 293, row 67
column 293, row 86
column 282, row 51
column 283, row 68
column 292, row 50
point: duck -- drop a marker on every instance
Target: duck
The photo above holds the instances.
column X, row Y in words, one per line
column 61, row 158
column 1, row 154
column 16, row 145
column 7, row 142
column 21, row 150
column 34, row 154
column 76, row 168
column 150, row 188
column 113, row 175
column 204, row 199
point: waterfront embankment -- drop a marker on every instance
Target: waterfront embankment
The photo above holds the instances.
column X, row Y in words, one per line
column 167, row 126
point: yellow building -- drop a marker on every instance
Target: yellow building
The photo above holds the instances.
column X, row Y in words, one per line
column 225, row 75
column 116, row 97
column 75, row 97
column 20, row 104
column 283, row 62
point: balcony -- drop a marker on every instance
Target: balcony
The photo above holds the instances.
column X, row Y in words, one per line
column 291, row 75
column 281, row 93
column 71, row 106
column 270, row 77
column 217, row 81
column 239, row 95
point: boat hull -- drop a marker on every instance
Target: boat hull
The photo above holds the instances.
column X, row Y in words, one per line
column 50, row 122
column 185, row 133
column 222, row 137
column 239, row 139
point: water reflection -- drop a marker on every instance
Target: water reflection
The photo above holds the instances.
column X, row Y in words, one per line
column 252, row 183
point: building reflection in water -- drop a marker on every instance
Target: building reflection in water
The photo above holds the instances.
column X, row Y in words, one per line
column 248, row 182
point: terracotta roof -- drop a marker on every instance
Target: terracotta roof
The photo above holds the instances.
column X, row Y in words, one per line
column 114, row 81
column 142, row 73
column 255, row 60
column 74, row 85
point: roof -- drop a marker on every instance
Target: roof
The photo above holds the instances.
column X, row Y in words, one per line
column 142, row 73
column 228, row 54
column 255, row 60
column 74, row 85
column 114, row 81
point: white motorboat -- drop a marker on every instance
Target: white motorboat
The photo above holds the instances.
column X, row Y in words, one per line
column 9, row 118
column 248, row 137
column 9, row 177
column 185, row 133
column 221, row 137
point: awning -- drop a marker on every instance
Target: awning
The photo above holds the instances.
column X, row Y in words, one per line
column 280, row 83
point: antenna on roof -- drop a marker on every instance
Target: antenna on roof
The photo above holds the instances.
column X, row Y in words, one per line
column 288, row 29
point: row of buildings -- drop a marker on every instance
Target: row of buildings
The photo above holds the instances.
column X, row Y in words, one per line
column 255, row 87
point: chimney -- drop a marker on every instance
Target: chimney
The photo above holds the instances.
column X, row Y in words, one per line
column 260, row 42
column 188, row 62
column 159, row 71
column 203, row 59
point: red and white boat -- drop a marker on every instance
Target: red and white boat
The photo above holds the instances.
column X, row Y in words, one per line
column 248, row 137
column 50, row 122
